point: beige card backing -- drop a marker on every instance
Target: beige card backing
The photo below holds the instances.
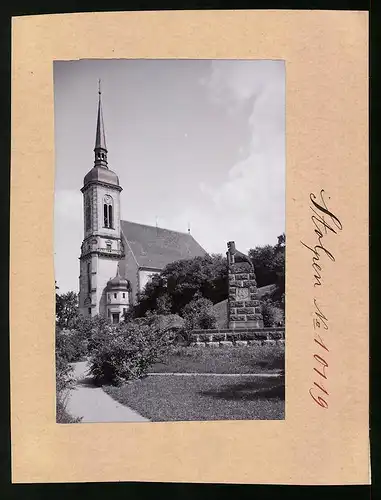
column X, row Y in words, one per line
column 326, row 56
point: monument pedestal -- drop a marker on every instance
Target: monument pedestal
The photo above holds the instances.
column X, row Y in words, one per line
column 244, row 310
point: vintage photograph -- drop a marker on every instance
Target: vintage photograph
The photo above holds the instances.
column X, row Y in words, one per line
column 170, row 243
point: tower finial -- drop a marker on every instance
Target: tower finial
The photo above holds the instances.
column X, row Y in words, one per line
column 100, row 149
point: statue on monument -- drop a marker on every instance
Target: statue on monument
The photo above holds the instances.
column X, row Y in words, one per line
column 234, row 256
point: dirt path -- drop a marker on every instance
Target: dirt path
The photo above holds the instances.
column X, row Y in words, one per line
column 93, row 404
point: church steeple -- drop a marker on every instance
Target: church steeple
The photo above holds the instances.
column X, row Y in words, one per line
column 100, row 149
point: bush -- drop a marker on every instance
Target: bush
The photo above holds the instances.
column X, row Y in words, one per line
column 64, row 382
column 93, row 331
column 129, row 350
column 272, row 315
column 199, row 314
column 71, row 345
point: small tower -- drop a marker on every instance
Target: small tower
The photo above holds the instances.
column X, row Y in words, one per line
column 117, row 291
column 102, row 245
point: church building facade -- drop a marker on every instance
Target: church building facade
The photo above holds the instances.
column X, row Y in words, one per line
column 119, row 257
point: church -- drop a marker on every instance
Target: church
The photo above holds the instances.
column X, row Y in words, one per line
column 118, row 257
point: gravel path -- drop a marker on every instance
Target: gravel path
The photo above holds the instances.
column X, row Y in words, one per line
column 93, row 404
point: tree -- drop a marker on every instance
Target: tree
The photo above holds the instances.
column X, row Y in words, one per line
column 207, row 276
column 66, row 309
column 269, row 263
column 164, row 304
column 181, row 280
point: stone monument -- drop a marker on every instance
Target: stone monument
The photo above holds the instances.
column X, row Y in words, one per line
column 244, row 310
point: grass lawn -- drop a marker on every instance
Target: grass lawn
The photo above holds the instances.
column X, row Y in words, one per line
column 203, row 397
column 244, row 359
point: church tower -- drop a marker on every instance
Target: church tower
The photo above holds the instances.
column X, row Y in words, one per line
column 102, row 246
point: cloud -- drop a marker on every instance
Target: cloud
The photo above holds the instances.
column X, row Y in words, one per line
column 251, row 200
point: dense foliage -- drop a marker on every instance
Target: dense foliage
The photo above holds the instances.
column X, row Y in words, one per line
column 66, row 309
column 64, row 381
column 182, row 281
column 269, row 263
column 129, row 350
column 71, row 344
column 272, row 314
column 199, row 314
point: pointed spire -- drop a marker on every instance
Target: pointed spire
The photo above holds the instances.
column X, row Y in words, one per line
column 100, row 149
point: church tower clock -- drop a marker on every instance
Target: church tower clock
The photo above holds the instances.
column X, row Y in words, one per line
column 102, row 246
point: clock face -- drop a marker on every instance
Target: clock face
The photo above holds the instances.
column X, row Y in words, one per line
column 242, row 293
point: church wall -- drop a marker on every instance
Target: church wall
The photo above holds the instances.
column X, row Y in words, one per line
column 105, row 270
column 87, row 300
column 90, row 192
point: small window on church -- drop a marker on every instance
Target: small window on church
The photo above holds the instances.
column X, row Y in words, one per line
column 115, row 295
column 89, row 311
column 124, row 295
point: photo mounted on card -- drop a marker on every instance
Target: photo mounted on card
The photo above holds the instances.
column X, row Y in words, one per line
column 182, row 209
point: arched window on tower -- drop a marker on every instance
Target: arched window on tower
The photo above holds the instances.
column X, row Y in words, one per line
column 110, row 216
column 108, row 220
column 88, row 212
column 105, row 215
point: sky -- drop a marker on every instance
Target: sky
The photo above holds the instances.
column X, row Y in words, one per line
column 195, row 143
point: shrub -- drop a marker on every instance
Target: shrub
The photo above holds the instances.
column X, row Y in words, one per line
column 94, row 331
column 199, row 313
column 64, row 382
column 129, row 350
column 71, row 345
column 272, row 315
